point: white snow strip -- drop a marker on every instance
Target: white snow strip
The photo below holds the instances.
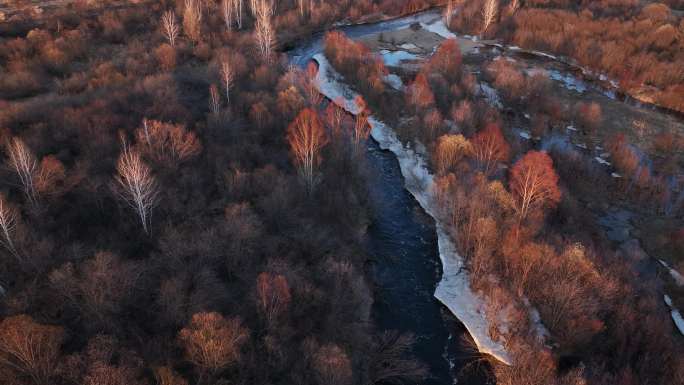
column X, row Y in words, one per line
column 394, row 81
column 570, row 82
column 439, row 28
column 408, row 46
column 615, row 175
column 525, row 135
column 393, row 58
column 454, row 288
column 490, row 94
column 571, row 128
column 676, row 315
column 545, row 55
column 602, row 161
column 678, row 278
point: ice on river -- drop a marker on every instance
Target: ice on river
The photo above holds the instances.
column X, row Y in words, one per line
column 676, row 315
column 439, row 28
column 393, row 58
column 454, row 289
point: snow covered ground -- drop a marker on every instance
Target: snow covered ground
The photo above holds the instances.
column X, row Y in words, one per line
column 454, row 288
column 676, row 315
column 393, row 58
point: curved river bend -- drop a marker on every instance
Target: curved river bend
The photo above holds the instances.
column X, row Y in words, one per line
column 402, row 242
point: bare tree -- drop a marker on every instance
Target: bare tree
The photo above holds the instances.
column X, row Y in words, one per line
column 137, row 185
column 273, row 296
column 310, row 85
column 227, row 13
column 167, row 143
column 214, row 100
column 449, row 12
column 29, row 349
column 307, row 137
column 192, row 19
column 8, row 223
column 490, row 9
column 170, row 27
column 450, row 150
column 25, row 165
column 391, row 360
column 534, row 183
column 212, row 342
column 513, row 7
column 227, row 76
column 263, row 29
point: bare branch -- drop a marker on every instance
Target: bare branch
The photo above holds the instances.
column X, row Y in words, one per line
column 8, row 224
column 25, row 165
column 170, row 27
column 139, row 187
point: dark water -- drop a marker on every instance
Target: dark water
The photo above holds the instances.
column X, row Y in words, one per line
column 403, row 241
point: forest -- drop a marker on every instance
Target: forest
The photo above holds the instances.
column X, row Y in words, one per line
column 179, row 204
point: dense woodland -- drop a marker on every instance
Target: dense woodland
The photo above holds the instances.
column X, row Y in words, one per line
column 160, row 220
column 634, row 42
column 179, row 206
column 519, row 215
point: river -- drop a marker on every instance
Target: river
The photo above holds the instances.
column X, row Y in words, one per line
column 402, row 244
column 402, row 239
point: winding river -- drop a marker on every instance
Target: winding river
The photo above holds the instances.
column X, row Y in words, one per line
column 402, row 242
column 402, row 239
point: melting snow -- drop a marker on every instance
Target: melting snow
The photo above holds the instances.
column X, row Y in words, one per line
column 570, row 82
column 394, row 81
column 454, row 288
column 439, row 28
column 678, row 278
column 393, row 58
column 408, row 46
column 676, row 315
column 491, row 95
column 602, row 161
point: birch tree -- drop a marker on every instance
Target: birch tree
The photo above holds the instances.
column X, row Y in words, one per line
column 263, row 29
column 449, row 12
column 8, row 224
column 227, row 76
column 25, row 165
column 490, row 147
column 170, row 27
column 490, row 9
column 534, row 183
column 307, row 137
column 192, row 19
column 137, row 185
column 29, row 349
column 214, row 100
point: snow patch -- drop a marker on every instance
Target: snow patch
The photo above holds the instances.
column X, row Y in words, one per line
column 454, row 288
column 678, row 278
column 525, row 135
column 602, row 161
column 394, row 81
column 408, row 46
column 393, row 58
column 439, row 28
column 676, row 315
column 570, row 82
column 491, row 95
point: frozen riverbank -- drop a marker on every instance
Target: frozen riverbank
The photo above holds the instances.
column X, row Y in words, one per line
column 454, row 288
